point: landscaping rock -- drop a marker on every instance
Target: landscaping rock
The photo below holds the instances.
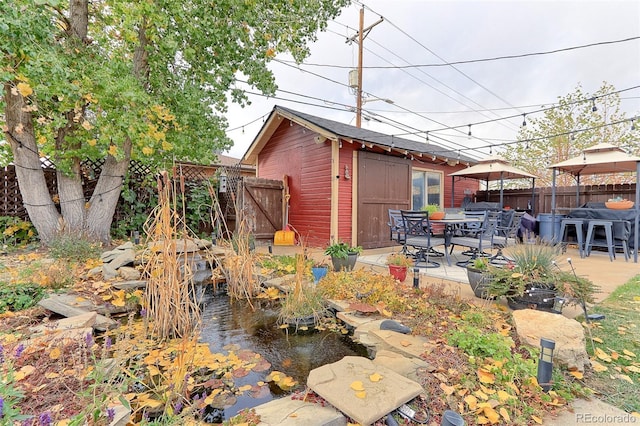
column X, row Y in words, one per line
column 130, row 285
column 69, row 306
column 286, row 411
column 411, row 368
column 126, row 257
column 412, row 346
column 88, row 319
column 128, row 273
column 334, row 383
column 532, row 325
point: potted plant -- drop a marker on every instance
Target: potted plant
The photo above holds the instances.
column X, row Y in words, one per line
column 435, row 213
column 479, row 277
column 343, row 255
column 398, row 264
column 528, row 280
column 534, row 280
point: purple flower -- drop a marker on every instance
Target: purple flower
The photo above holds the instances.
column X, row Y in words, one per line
column 177, row 408
column 89, row 339
column 111, row 414
column 108, row 343
column 45, row 419
column 1, row 354
column 19, row 350
column 143, row 312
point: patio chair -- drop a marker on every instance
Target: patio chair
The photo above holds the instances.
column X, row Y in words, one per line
column 478, row 239
column 418, row 234
column 396, row 229
column 506, row 233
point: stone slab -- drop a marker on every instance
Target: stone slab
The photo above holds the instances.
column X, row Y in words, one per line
column 358, row 320
column 69, row 306
column 333, row 383
column 289, row 412
column 129, row 285
column 87, row 319
column 405, row 344
column 405, row 366
column 284, row 283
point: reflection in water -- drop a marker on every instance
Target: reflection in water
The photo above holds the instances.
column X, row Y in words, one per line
column 228, row 322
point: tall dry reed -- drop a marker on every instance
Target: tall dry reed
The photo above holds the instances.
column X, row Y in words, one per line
column 170, row 295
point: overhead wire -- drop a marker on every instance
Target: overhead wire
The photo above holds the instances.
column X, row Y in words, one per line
column 473, row 61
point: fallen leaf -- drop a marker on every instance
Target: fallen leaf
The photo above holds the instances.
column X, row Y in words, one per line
column 448, row 390
column 633, row 369
column 597, row 339
column 357, row 385
column 405, row 343
column 537, row 419
column 629, row 353
column 577, row 374
column 24, row 372
column 375, row 377
column 503, row 396
column 471, row 401
column 505, row 414
column 624, row 377
column 491, row 414
column 597, row 367
column 55, row 353
column 361, row 394
column 602, row 355
column 486, row 376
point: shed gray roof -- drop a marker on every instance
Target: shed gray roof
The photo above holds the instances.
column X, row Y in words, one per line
column 353, row 133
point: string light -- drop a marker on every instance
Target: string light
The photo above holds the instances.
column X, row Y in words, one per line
column 524, row 120
column 594, row 108
column 469, row 130
column 427, row 136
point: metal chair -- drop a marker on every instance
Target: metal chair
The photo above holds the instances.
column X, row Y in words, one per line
column 506, row 232
column 418, row 234
column 396, row 229
column 477, row 240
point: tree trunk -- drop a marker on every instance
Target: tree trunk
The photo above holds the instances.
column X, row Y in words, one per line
column 33, row 186
column 106, row 194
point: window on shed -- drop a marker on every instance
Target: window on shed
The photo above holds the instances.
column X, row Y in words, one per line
column 426, row 188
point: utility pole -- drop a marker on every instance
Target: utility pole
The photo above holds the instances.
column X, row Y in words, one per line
column 361, row 36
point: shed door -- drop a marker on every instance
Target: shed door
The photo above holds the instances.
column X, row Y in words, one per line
column 262, row 206
column 384, row 182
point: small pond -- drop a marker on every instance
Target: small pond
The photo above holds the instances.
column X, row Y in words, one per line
column 227, row 322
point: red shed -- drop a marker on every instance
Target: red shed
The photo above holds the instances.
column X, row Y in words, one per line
column 343, row 179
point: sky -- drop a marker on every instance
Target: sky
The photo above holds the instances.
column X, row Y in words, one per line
column 419, row 32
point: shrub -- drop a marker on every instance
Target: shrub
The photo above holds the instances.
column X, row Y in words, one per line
column 17, row 232
column 17, row 297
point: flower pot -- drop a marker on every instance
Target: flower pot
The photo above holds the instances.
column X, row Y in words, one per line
column 436, row 215
column 479, row 281
column 541, row 299
column 398, row 272
column 347, row 264
column 319, row 273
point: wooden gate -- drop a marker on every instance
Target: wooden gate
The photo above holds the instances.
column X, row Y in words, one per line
column 384, row 182
column 262, row 206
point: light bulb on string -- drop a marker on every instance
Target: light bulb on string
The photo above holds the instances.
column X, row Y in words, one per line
column 524, row 120
column 469, row 130
column 427, row 136
column 594, row 108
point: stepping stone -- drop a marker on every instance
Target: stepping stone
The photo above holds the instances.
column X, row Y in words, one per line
column 407, row 367
column 333, row 383
column 286, row 411
column 405, row 344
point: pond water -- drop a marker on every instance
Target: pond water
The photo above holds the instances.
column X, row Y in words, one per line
column 228, row 322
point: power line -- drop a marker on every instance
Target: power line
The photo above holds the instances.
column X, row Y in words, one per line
column 472, row 61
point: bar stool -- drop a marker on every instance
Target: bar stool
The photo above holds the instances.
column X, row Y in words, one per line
column 577, row 223
column 608, row 229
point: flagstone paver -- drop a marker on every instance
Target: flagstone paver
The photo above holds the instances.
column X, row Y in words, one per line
column 334, row 382
column 289, row 412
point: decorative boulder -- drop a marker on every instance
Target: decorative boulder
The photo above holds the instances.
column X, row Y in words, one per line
column 570, row 351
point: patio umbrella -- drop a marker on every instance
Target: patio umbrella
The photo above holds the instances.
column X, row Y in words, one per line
column 493, row 169
column 599, row 159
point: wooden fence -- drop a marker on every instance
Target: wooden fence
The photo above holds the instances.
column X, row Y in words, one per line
column 565, row 196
